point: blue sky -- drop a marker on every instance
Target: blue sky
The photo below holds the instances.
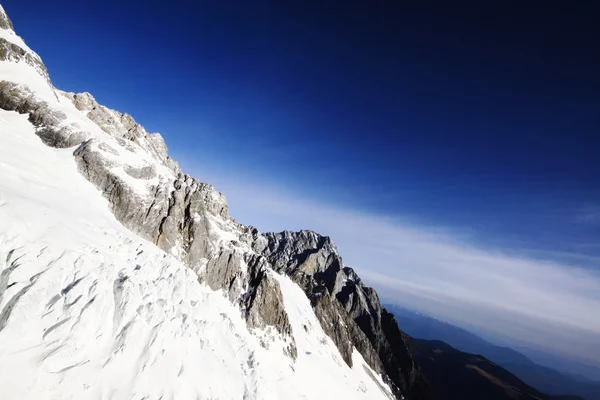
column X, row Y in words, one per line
column 469, row 135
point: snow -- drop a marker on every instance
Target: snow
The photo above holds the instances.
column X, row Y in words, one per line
column 25, row 74
column 223, row 233
column 11, row 36
column 318, row 355
column 129, row 157
column 21, row 72
column 89, row 310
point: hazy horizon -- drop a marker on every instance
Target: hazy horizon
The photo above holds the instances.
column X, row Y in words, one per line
column 545, row 304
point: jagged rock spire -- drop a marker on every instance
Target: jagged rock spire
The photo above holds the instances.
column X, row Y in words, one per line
column 5, row 22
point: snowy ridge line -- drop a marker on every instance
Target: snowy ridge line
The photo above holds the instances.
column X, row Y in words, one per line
column 289, row 306
column 90, row 310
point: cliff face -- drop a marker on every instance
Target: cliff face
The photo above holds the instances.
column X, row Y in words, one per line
column 349, row 311
column 151, row 196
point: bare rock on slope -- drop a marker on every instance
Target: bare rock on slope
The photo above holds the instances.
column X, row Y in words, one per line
column 189, row 220
column 149, row 194
column 47, row 120
column 349, row 311
column 122, row 125
column 5, row 22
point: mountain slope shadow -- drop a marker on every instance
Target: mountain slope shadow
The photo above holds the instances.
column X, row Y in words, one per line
column 456, row 375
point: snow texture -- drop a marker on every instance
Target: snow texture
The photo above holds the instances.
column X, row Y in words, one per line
column 90, row 310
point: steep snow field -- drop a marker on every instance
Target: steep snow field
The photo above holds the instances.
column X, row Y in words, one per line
column 89, row 310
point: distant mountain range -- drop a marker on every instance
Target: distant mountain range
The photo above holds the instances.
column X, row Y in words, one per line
column 454, row 374
column 433, row 333
column 573, row 368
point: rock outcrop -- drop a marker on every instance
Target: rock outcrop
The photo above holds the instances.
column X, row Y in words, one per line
column 50, row 122
column 189, row 220
column 349, row 311
column 12, row 52
column 150, row 195
column 18, row 52
column 5, row 22
column 122, row 125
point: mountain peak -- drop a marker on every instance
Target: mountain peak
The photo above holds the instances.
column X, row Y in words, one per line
column 5, row 22
column 157, row 266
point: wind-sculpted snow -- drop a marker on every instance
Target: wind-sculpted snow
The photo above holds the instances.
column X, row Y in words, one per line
column 126, row 278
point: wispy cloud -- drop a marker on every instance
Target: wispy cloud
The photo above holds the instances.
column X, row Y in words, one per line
column 542, row 302
column 589, row 215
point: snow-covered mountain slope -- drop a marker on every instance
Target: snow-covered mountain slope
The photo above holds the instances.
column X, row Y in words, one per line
column 122, row 277
column 90, row 310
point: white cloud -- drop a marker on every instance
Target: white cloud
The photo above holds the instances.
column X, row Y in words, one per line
column 544, row 303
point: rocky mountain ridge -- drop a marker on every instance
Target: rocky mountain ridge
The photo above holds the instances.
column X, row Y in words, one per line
column 150, row 195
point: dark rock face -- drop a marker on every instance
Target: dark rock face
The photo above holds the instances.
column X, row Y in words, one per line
column 395, row 352
column 349, row 312
column 263, row 302
column 307, row 253
column 388, row 341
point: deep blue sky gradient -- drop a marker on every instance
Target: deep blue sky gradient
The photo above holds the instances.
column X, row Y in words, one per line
column 482, row 118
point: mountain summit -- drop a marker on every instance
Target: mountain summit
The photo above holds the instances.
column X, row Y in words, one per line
column 123, row 277
column 5, row 22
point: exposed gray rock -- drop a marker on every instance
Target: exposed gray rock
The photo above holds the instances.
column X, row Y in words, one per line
column 122, row 125
column 63, row 138
column 362, row 303
column 11, row 52
column 178, row 216
column 190, row 220
column 169, row 211
column 224, row 271
column 48, row 121
column 5, row 22
column 14, row 97
column 138, row 212
column 349, row 312
column 146, row 173
column 304, row 252
column 263, row 302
